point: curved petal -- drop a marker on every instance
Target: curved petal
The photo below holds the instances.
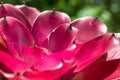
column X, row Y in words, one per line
column 15, row 78
column 115, row 75
column 107, row 70
column 62, row 37
column 10, row 10
column 88, row 28
column 9, row 47
column 11, row 63
column 32, row 55
column 69, row 54
column 30, row 12
column 51, row 74
column 46, row 22
column 16, row 33
column 114, row 52
column 94, row 49
column 68, row 75
column 3, row 45
column 51, row 62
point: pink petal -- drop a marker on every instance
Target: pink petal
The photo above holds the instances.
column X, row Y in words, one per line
column 51, row 62
column 18, row 36
column 9, row 48
column 69, row 54
column 13, row 64
column 32, row 55
column 88, row 28
column 68, row 75
column 116, row 74
column 46, row 22
column 117, row 35
column 50, row 65
column 93, row 49
column 62, row 37
column 11, row 76
column 49, row 74
column 114, row 52
column 108, row 70
column 15, row 78
column 30, row 12
column 10, row 10
column 3, row 46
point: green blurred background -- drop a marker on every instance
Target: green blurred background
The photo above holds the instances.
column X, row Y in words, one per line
column 108, row 11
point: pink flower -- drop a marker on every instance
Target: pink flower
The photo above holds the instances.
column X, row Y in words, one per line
column 49, row 46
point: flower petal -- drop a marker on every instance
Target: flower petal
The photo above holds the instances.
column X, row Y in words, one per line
column 10, row 10
column 62, row 37
column 114, row 52
column 69, row 54
column 30, row 12
column 15, row 65
column 51, row 74
column 51, row 62
column 18, row 36
column 88, row 28
column 46, row 22
column 15, row 78
column 32, row 55
column 94, row 49
column 8, row 47
column 107, row 70
column 3, row 46
column 116, row 74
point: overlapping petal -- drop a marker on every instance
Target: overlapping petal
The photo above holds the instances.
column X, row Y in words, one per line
column 89, row 28
column 93, row 49
column 106, row 70
column 62, row 50
column 114, row 52
column 3, row 45
column 16, row 33
column 51, row 74
column 11, row 63
column 30, row 12
column 62, row 37
column 10, row 10
column 34, row 54
column 46, row 22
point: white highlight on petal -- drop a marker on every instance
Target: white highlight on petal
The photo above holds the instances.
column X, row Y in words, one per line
column 72, row 47
column 8, row 75
column 12, row 75
column 58, row 66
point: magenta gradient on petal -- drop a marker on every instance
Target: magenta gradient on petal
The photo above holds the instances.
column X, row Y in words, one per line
column 89, row 28
column 100, row 71
column 16, row 33
column 10, row 10
column 46, row 22
column 13, row 63
column 46, row 45
column 114, row 52
column 30, row 12
column 93, row 49
column 51, row 74
column 62, row 37
column 34, row 54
